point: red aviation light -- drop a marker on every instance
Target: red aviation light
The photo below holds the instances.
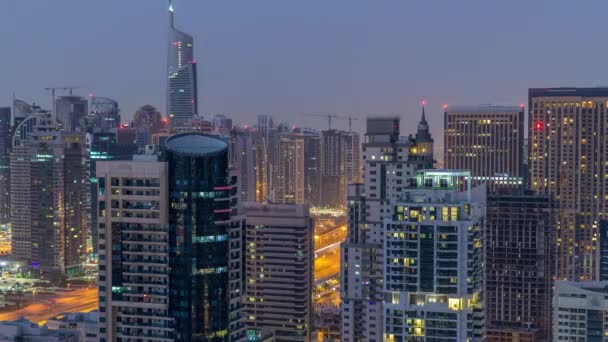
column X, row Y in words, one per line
column 538, row 126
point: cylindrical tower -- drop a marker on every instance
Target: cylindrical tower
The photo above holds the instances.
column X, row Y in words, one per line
column 199, row 217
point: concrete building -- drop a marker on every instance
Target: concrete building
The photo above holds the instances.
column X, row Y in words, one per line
column 261, row 167
column 279, row 272
column 134, row 251
column 242, row 159
column 519, row 265
column 289, row 181
column 580, row 310
column 182, row 91
column 49, row 188
column 104, row 114
column 433, row 264
column 567, row 138
column 6, row 130
column 72, row 112
column 312, row 166
column 172, row 226
column 147, row 122
column 85, row 324
column 340, row 165
column 389, row 160
column 25, row 330
column 488, row 141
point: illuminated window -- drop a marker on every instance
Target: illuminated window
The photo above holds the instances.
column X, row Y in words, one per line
column 454, row 304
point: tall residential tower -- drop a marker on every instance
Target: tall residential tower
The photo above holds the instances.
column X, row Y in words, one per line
column 568, row 160
column 488, row 141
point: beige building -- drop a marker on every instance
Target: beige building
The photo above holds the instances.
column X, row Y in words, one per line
column 568, row 128
column 488, row 141
column 279, row 271
column 133, row 251
column 290, row 169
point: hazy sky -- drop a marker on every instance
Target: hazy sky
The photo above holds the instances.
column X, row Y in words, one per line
column 289, row 58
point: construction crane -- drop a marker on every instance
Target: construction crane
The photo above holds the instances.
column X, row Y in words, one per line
column 328, row 116
column 339, row 117
column 350, row 121
column 53, row 89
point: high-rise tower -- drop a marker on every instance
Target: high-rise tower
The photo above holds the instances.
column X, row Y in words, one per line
column 182, row 98
column 488, row 141
column 567, row 160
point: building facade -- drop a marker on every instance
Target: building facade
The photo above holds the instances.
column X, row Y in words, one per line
column 279, row 271
column 182, row 92
column 340, row 165
column 49, row 195
column 134, row 251
column 289, row 181
column 312, row 166
column 389, row 161
column 433, row 264
column 519, row 266
column 567, row 160
column 104, row 114
column 580, row 310
column 6, row 130
column 72, row 112
column 147, row 122
column 202, row 199
column 488, row 141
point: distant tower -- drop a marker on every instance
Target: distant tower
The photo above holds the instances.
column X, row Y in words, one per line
column 182, row 101
column 424, row 140
column 71, row 112
column 5, row 158
column 103, row 114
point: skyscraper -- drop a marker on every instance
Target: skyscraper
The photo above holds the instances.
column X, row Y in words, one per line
column 182, row 97
column 49, row 188
column 488, row 141
column 568, row 158
column 519, row 266
column 312, row 166
column 433, row 260
column 242, row 154
column 5, row 159
column 389, row 160
column 170, row 244
column 289, row 182
column 134, row 251
column 103, row 146
column 279, row 264
column 202, row 199
column 103, row 115
column 147, row 121
column 71, row 112
column 340, row 164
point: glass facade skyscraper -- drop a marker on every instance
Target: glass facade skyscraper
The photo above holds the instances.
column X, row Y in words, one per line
column 182, row 99
column 201, row 201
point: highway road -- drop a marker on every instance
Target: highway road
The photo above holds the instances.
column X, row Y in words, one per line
column 82, row 300
column 327, row 264
column 330, row 238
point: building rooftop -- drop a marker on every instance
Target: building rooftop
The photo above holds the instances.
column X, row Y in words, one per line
column 195, row 144
column 484, row 109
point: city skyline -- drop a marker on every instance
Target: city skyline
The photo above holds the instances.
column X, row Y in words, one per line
column 331, row 60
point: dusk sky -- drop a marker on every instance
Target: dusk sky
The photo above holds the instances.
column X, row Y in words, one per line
column 288, row 58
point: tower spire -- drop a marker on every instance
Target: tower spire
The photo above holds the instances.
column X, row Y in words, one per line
column 171, row 14
column 423, row 120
